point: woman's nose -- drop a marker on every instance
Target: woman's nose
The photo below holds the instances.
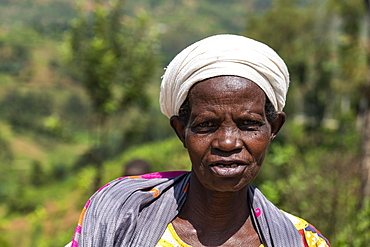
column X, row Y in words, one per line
column 227, row 140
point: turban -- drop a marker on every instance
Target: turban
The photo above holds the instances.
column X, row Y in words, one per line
column 224, row 55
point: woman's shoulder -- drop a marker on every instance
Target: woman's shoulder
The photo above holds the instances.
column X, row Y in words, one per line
column 310, row 234
column 129, row 183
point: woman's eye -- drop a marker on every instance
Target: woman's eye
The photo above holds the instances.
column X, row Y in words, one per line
column 204, row 127
column 250, row 125
column 205, row 124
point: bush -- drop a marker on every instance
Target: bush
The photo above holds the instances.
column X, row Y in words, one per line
column 37, row 176
column 26, row 110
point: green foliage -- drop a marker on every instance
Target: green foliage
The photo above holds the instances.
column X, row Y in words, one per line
column 37, row 174
column 15, row 43
column 6, row 160
column 186, row 21
column 26, row 110
column 313, row 168
column 352, row 53
column 54, row 126
column 113, row 55
column 318, row 182
column 148, row 127
column 75, row 110
column 23, row 200
column 59, row 172
column 167, row 155
column 357, row 232
column 323, row 71
column 49, row 18
column 6, row 153
column 4, row 242
column 26, row 103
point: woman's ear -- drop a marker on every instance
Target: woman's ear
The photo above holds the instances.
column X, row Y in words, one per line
column 179, row 127
column 277, row 124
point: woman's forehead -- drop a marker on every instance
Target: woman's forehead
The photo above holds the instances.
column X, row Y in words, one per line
column 224, row 86
column 226, row 95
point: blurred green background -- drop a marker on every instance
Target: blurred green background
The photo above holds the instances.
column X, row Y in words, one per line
column 79, row 100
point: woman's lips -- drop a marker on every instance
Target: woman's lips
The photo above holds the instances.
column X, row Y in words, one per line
column 228, row 169
column 226, row 165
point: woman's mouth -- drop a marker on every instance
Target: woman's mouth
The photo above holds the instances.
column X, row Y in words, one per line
column 226, row 165
column 228, row 169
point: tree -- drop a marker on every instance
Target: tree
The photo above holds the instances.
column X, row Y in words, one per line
column 322, row 44
column 366, row 125
column 300, row 35
column 353, row 71
column 114, row 56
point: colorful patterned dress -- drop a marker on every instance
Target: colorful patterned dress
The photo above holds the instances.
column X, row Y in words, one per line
column 310, row 236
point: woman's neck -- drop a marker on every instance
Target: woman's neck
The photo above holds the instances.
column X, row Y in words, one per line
column 219, row 209
column 210, row 218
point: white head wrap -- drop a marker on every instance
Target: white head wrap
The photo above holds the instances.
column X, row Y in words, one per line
column 224, row 55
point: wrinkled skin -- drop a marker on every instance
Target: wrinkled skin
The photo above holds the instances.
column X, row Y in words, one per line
column 226, row 136
column 227, row 127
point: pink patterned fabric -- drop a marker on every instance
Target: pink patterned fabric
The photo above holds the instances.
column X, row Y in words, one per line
column 168, row 174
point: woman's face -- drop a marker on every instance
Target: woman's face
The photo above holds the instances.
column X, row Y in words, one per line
column 227, row 133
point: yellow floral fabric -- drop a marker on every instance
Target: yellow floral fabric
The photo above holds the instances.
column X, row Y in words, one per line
column 313, row 237
column 171, row 239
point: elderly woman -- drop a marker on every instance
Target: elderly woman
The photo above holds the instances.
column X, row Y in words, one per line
column 224, row 96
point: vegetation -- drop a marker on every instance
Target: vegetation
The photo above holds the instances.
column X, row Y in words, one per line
column 81, row 81
column 114, row 58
